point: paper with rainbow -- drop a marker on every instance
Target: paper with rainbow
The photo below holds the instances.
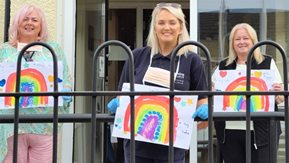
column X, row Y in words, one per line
column 152, row 117
column 35, row 77
column 235, row 80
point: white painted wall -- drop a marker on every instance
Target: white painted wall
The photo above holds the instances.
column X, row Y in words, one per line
column 194, row 37
column 66, row 11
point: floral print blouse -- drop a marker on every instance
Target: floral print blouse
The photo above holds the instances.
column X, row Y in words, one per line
column 9, row 54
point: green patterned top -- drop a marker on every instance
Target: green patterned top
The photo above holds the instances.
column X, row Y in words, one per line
column 9, row 54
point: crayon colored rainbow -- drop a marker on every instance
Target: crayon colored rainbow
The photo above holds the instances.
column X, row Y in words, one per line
column 152, row 118
column 238, row 103
column 32, row 80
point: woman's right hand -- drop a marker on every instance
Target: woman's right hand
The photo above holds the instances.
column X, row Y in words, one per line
column 113, row 105
column 213, row 86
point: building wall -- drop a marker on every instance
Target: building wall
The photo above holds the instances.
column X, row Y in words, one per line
column 2, row 10
column 49, row 8
column 60, row 21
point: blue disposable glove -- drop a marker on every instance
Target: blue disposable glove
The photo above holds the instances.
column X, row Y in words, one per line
column 66, row 99
column 113, row 105
column 202, row 112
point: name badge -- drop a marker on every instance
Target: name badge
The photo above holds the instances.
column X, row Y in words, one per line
column 20, row 46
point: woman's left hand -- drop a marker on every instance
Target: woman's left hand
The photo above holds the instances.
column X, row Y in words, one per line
column 202, row 112
column 277, row 87
column 66, row 99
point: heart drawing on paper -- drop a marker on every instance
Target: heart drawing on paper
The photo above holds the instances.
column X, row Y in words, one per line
column 223, row 73
column 258, row 74
column 2, row 82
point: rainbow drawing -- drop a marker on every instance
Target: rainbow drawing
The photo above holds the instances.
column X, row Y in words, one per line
column 238, row 103
column 32, row 80
column 152, row 118
column 152, row 114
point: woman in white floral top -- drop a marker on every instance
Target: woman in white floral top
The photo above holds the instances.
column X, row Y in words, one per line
column 34, row 139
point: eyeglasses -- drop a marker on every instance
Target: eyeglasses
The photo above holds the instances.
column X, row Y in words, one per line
column 174, row 5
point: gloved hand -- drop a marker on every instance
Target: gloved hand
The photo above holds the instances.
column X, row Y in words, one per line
column 113, row 105
column 66, row 99
column 202, row 112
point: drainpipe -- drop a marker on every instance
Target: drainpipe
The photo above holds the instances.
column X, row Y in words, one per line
column 7, row 19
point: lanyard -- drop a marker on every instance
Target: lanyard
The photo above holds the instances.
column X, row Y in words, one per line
column 28, row 56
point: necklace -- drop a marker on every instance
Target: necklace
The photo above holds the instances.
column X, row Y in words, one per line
column 28, row 56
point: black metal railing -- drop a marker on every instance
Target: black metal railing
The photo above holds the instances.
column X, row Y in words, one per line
column 248, row 113
column 17, row 97
column 210, row 97
column 105, row 118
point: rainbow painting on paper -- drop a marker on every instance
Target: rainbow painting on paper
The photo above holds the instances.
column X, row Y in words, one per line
column 152, row 117
column 35, row 77
column 235, row 80
column 31, row 81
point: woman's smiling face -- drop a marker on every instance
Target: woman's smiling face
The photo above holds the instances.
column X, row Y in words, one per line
column 168, row 27
column 30, row 26
column 242, row 42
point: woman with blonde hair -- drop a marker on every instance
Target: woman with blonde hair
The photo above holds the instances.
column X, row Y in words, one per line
column 167, row 30
column 231, row 134
column 253, row 35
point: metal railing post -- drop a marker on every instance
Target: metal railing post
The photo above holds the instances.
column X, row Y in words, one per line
column 273, row 147
column 210, row 100
column 17, row 97
column 131, row 78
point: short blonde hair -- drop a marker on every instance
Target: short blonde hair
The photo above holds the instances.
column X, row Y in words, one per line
column 152, row 40
column 19, row 17
column 253, row 36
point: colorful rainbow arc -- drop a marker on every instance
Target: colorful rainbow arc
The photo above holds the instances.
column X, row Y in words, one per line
column 152, row 118
column 239, row 102
column 32, row 80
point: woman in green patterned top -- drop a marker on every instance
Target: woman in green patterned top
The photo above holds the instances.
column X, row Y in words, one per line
column 34, row 139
